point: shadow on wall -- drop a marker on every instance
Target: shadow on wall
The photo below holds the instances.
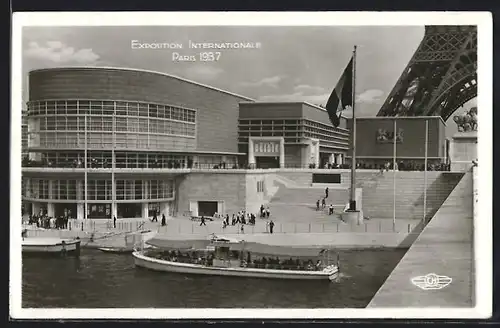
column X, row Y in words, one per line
column 437, row 193
column 278, row 185
column 413, row 235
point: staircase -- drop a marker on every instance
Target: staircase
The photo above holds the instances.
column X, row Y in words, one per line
column 378, row 196
column 296, row 202
column 295, row 199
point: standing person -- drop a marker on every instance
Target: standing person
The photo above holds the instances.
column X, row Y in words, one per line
column 323, row 203
column 268, row 212
column 326, row 192
column 330, row 210
column 317, row 205
column 271, row 226
column 163, row 220
column 114, row 222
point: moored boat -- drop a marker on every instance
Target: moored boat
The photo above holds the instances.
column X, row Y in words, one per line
column 230, row 257
column 116, row 250
column 51, row 246
column 133, row 241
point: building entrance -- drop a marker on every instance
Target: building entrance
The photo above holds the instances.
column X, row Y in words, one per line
column 99, row 211
column 129, row 210
column 267, row 162
column 65, row 209
column 207, row 208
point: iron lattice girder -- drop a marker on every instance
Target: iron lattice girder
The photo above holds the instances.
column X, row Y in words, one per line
column 459, row 95
column 442, row 65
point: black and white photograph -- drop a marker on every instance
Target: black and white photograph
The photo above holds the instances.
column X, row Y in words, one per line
column 253, row 165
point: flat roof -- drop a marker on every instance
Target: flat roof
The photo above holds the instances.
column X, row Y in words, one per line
column 399, row 118
column 288, row 102
column 140, row 70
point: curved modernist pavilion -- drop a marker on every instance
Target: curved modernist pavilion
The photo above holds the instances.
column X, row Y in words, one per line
column 100, row 136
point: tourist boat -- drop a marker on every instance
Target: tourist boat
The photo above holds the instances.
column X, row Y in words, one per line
column 51, row 246
column 230, row 257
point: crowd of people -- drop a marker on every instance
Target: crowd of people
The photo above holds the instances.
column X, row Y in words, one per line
column 46, row 222
column 95, row 163
column 411, row 166
column 207, row 259
column 289, row 264
column 243, row 218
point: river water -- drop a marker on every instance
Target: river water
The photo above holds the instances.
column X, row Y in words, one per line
column 100, row 280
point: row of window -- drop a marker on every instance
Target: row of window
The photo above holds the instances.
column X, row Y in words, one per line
column 270, row 128
column 140, row 189
column 269, row 122
column 105, row 140
column 120, row 108
column 122, row 124
column 99, row 189
column 325, row 129
column 103, row 159
column 256, row 125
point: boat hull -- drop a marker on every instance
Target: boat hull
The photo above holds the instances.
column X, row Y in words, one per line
column 161, row 265
column 116, row 250
column 51, row 247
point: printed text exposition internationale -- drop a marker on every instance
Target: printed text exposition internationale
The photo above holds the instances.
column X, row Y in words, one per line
column 136, row 44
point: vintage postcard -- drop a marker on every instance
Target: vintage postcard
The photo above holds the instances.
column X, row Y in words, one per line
column 253, row 165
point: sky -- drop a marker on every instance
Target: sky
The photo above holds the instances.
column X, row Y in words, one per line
column 291, row 64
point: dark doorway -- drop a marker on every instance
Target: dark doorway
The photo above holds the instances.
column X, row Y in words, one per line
column 267, row 162
column 129, row 210
column 153, row 208
column 99, row 211
column 65, row 209
column 323, row 159
column 207, row 208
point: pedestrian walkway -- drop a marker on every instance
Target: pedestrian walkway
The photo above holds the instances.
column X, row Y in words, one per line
column 443, row 248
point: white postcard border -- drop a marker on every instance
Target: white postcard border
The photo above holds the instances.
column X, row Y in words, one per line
column 482, row 225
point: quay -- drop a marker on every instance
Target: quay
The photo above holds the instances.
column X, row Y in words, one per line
column 445, row 248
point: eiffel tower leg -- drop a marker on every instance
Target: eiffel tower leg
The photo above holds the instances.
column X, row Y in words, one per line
column 440, row 77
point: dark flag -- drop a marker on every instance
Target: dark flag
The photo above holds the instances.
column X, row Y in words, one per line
column 341, row 96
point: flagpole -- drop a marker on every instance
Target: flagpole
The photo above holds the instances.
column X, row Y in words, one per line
column 394, row 173
column 352, row 201
column 113, row 160
column 425, row 167
column 85, row 186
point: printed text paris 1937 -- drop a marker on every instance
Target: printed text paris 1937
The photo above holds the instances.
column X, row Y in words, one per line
column 195, row 51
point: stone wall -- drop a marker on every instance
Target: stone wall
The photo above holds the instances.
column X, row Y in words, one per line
column 228, row 187
column 255, row 197
column 463, row 150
